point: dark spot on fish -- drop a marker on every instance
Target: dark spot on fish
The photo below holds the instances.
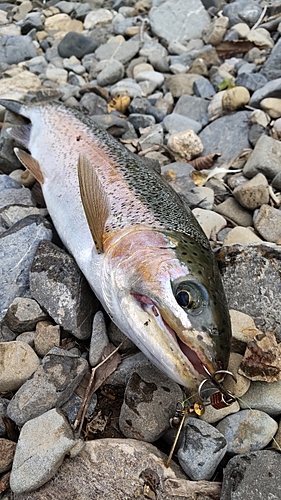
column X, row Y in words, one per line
column 199, row 337
column 166, row 389
column 78, row 138
column 146, row 323
column 260, row 336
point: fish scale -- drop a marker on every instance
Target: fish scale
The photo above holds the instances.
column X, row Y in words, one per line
column 140, row 247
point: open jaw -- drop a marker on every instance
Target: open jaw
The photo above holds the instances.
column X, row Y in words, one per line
column 150, row 307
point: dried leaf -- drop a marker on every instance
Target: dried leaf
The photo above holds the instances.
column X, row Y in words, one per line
column 262, row 359
column 119, row 103
column 97, row 424
column 205, row 162
column 199, row 177
column 232, row 47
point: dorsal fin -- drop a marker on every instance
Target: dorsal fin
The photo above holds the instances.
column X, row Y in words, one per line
column 20, row 134
column 30, row 163
column 94, row 199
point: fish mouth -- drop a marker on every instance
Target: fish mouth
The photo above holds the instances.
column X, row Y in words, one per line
column 151, row 308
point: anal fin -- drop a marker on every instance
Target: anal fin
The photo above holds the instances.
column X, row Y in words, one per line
column 30, row 163
column 94, row 199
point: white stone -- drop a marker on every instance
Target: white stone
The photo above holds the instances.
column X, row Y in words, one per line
column 17, row 87
column 100, row 16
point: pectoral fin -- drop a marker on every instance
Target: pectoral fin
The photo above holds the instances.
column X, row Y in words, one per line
column 94, row 199
column 20, row 134
column 30, row 163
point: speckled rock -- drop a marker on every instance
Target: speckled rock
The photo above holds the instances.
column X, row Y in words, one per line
column 244, row 235
column 7, row 451
column 247, row 430
column 149, row 402
column 267, row 222
column 42, row 446
column 257, row 471
column 186, row 145
column 18, row 362
column 201, row 450
column 99, row 16
column 246, row 270
column 102, row 468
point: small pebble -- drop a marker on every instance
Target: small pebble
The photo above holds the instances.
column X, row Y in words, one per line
column 186, row 145
column 7, row 452
column 254, row 193
column 18, row 363
column 235, row 98
column 267, row 222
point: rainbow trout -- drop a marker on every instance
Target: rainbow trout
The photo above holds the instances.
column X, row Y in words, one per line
column 140, row 248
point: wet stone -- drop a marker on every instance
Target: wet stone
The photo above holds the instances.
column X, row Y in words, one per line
column 246, row 270
column 42, row 446
column 149, row 402
column 51, row 386
column 245, row 474
column 247, row 430
column 23, row 314
column 201, row 450
column 76, row 44
column 60, row 288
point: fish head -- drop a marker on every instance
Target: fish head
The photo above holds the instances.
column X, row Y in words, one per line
column 171, row 303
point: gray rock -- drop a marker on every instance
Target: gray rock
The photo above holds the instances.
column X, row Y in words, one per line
column 252, row 284
column 201, row 450
column 270, row 89
column 167, row 24
column 141, row 121
column 14, row 213
column 264, row 159
column 254, row 193
column 122, row 52
column 8, row 160
column 60, row 288
column 15, row 49
column 16, row 196
column 193, row 107
column 99, row 338
column 200, row 196
column 232, row 209
column 141, row 105
column 51, row 386
column 276, row 182
column 264, row 397
column 17, row 249
column 23, row 314
column 112, row 73
column 227, row 135
column 32, row 21
column 65, row 7
column 101, row 470
column 247, row 11
column 75, row 44
column 267, row 222
column 73, row 405
column 153, row 135
column 116, row 337
column 252, row 81
column 203, row 88
column 271, row 68
column 149, row 402
column 181, row 84
column 42, row 446
column 27, row 337
column 152, row 46
column 247, row 430
column 126, row 368
column 245, row 475
column 18, row 363
column 93, row 104
column 175, row 123
column 8, row 183
column 180, row 179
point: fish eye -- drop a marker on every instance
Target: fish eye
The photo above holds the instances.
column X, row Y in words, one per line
column 191, row 295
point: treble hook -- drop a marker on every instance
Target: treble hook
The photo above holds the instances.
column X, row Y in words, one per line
column 222, row 398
